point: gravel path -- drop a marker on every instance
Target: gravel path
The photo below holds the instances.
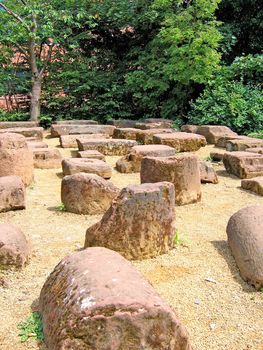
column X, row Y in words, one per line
column 199, row 278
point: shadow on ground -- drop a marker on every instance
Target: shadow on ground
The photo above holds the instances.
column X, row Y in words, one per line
column 224, row 251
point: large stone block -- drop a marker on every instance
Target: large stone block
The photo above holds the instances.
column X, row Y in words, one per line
column 15, row 249
column 15, row 157
column 72, row 166
column 207, row 173
column 91, row 154
column 140, row 222
column 243, row 144
column 12, row 193
column 68, row 129
column 222, row 141
column 114, row 147
column 181, row 170
column 154, row 123
column 244, row 165
column 125, row 133
column 36, row 144
column 258, row 150
column 123, row 123
column 131, row 163
column 145, row 137
column 70, row 141
column 96, row 300
column 189, row 128
column 87, row 193
column 47, row 158
column 36, row 132
column 77, row 122
column 213, row 133
column 254, row 185
column 181, row 141
column 9, row 125
column 245, row 238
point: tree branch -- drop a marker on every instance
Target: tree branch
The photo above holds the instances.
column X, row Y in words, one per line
column 13, row 14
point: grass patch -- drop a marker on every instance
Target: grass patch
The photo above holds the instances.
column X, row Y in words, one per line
column 31, row 328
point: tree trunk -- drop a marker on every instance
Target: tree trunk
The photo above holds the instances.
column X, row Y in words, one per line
column 35, row 99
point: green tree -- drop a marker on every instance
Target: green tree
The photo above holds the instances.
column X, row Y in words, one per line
column 137, row 58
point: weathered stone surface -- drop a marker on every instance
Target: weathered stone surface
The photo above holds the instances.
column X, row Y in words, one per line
column 154, row 123
column 77, row 122
column 125, row 133
column 70, row 141
column 12, row 193
column 36, row 144
column 221, row 143
column 145, row 137
column 91, row 154
column 217, row 156
column 47, row 158
column 14, row 246
column 123, row 123
column 8, row 125
column 243, row 144
column 255, row 185
column 181, row 141
column 96, row 300
column 182, row 170
column 213, row 133
column 258, row 150
column 245, row 165
column 72, row 166
column 139, row 224
column 36, row 132
column 87, row 193
column 15, row 157
column 245, row 238
column 131, row 163
column 67, row 129
column 207, row 173
column 114, row 147
column 189, row 128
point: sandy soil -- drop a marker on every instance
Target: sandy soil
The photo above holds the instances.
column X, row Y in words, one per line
column 227, row 314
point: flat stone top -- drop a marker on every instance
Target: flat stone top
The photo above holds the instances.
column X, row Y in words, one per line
column 245, row 139
column 21, row 129
column 148, row 187
column 242, row 154
column 26, row 124
column 107, row 141
column 91, row 152
column 155, row 131
column 179, row 136
column 127, row 129
column 45, row 150
column 83, row 161
column 11, row 180
column 258, row 179
column 77, row 121
column 216, row 128
column 175, row 158
column 12, row 141
column 156, row 120
column 151, row 148
column 258, row 150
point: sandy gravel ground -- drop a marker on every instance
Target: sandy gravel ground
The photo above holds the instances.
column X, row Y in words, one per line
column 227, row 314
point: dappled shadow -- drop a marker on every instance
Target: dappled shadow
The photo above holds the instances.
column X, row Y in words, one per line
column 224, row 173
column 74, row 153
column 224, row 250
column 60, row 175
column 249, row 192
